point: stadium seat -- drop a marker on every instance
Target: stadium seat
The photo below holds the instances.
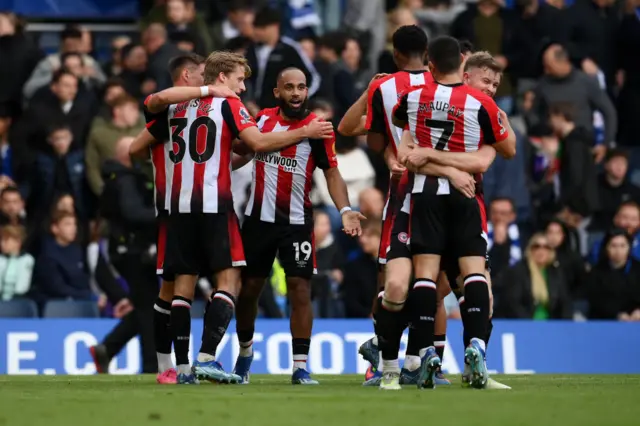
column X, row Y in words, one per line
column 22, row 308
column 71, row 309
column 197, row 309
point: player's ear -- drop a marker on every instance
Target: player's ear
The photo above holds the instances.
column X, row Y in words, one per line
column 431, row 67
column 222, row 77
column 276, row 93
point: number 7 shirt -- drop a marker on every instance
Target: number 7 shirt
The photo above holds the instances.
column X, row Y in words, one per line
column 455, row 118
column 202, row 132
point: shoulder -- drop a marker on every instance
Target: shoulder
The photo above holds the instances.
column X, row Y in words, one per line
column 267, row 112
column 412, row 89
column 377, row 83
column 27, row 259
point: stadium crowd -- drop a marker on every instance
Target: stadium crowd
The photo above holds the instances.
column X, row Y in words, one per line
column 77, row 215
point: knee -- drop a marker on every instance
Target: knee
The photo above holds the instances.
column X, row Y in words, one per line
column 299, row 291
column 251, row 288
column 395, row 290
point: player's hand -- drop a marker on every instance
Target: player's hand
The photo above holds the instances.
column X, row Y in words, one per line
column 319, row 129
column 351, row 223
column 599, row 151
column 376, row 77
column 416, row 158
column 464, row 183
column 122, row 308
column 397, row 169
column 222, row 92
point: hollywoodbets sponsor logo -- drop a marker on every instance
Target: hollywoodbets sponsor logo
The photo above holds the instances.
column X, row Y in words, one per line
column 289, row 164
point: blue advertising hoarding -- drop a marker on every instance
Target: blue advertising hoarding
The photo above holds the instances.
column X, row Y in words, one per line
column 60, row 346
column 93, row 9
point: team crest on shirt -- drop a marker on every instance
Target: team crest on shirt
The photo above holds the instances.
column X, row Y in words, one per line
column 403, row 237
column 245, row 117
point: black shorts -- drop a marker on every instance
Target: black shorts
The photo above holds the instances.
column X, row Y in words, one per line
column 446, row 224
column 399, row 241
column 203, row 243
column 294, row 245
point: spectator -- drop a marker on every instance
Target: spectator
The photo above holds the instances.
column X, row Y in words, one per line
column 614, row 283
column 627, row 218
column 6, row 161
column 310, row 47
column 238, row 23
column 12, row 207
column 60, row 271
column 578, row 174
column 238, row 45
column 182, row 19
column 534, row 288
column 397, row 18
column 352, row 58
column 614, row 188
column 56, row 173
column 71, row 41
column 479, row 24
column 339, row 79
column 63, row 104
column 322, row 108
column 503, row 236
column 544, row 172
column 371, row 202
column 629, row 75
column 113, row 89
column 329, row 260
column 366, row 19
column 113, row 67
column 571, row 263
column 360, row 276
column 134, row 74
column 160, row 51
column 16, row 267
column 125, row 121
column 17, row 49
column 268, row 55
column 562, row 83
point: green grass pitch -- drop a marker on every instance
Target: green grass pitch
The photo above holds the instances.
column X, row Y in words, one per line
column 540, row 400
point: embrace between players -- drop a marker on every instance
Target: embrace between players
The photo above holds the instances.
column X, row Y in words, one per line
column 439, row 131
column 196, row 134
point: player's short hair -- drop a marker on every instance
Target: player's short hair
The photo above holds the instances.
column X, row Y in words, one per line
column 123, row 100
column 444, row 54
column 286, row 70
column 177, row 64
column 16, row 232
column 267, row 16
column 334, row 40
column 482, row 60
column 410, row 41
column 224, row 62
column 70, row 32
column 59, row 73
column 466, row 46
column 65, row 56
column 564, row 109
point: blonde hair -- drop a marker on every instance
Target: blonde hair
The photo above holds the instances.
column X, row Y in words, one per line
column 13, row 231
column 482, row 60
column 224, row 62
column 539, row 289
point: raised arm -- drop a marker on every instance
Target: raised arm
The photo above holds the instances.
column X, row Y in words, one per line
column 472, row 162
column 156, row 102
column 275, row 141
column 353, row 122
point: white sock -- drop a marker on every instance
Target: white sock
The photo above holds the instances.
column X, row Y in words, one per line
column 164, row 362
column 299, row 362
column 480, row 343
column 390, row 366
column 380, row 363
column 205, row 357
column 412, row 362
column 184, row 369
column 375, row 341
column 246, row 348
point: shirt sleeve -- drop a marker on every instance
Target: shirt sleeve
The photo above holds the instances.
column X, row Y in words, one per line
column 324, row 152
column 375, row 112
column 236, row 116
column 491, row 125
column 400, row 111
column 156, row 123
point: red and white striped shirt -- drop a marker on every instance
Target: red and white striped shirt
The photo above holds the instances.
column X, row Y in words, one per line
column 202, row 135
column 158, row 127
column 456, row 118
column 282, row 179
column 383, row 96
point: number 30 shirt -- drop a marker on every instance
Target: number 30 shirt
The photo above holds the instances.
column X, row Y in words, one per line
column 201, row 133
column 455, row 118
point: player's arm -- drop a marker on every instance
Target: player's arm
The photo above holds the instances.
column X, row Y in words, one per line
column 472, row 162
column 354, row 121
column 391, row 160
column 140, row 146
column 496, row 129
column 157, row 102
column 275, row 141
column 324, row 155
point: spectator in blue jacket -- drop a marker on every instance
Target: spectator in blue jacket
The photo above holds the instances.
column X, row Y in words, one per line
column 60, row 271
column 58, row 171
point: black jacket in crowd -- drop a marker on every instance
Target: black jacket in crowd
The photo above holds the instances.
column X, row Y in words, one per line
column 578, row 175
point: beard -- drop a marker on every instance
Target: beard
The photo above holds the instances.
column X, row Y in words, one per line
column 291, row 112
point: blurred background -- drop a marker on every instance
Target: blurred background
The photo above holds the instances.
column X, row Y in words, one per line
column 564, row 218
